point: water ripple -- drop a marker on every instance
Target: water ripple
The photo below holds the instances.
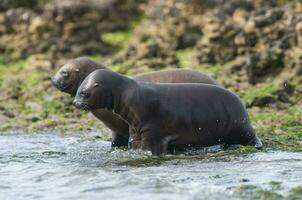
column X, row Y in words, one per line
column 41, row 166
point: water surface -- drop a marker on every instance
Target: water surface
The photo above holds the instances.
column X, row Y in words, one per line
column 52, row 166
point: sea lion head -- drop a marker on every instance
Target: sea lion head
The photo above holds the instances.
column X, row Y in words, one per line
column 98, row 90
column 70, row 76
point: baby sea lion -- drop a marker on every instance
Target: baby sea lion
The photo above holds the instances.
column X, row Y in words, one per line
column 164, row 114
column 71, row 75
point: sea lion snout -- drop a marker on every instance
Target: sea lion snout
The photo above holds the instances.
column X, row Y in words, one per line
column 55, row 81
column 58, row 81
column 80, row 105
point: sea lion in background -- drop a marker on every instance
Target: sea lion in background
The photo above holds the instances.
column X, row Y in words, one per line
column 71, row 75
column 164, row 114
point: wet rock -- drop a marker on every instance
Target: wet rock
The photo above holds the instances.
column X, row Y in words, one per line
column 287, row 87
column 261, row 64
column 8, row 114
column 293, row 59
column 284, row 93
column 9, row 4
column 170, row 25
column 280, row 98
column 217, row 44
column 262, row 101
column 33, row 118
column 61, row 28
column 267, row 34
column 3, row 119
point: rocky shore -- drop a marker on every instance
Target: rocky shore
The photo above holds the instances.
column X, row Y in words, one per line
column 251, row 47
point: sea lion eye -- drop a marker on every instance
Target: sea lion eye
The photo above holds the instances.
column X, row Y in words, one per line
column 64, row 73
column 84, row 94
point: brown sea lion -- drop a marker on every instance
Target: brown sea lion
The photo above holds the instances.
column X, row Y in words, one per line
column 71, row 75
column 164, row 114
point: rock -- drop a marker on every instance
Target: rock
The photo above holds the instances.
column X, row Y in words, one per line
column 61, row 28
column 267, row 34
column 262, row 101
column 8, row 114
column 288, row 88
column 170, row 25
column 4, row 119
column 33, row 106
column 262, row 64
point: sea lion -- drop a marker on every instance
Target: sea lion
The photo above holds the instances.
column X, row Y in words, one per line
column 70, row 76
column 164, row 114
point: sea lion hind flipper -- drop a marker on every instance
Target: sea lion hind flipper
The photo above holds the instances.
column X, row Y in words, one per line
column 152, row 141
column 256, row 142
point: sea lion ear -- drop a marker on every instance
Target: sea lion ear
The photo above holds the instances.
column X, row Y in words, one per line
column 77, row 69
column 95, row 85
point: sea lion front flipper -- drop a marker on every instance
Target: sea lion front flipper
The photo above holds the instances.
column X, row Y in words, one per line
column 119, row 141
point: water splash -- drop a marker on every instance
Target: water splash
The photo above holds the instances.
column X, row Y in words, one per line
column 44, row 165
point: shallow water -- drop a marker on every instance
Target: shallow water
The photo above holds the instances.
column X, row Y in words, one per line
column 52, row 166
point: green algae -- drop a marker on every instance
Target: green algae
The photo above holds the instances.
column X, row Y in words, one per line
column 189, row 155
column 258, row 193
column 9, row 69
column 187, row 59
column 295, row 193
column 278, row 129
column 117, row 39
column 38, row 105
column 254, row 192
column 258, row 91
